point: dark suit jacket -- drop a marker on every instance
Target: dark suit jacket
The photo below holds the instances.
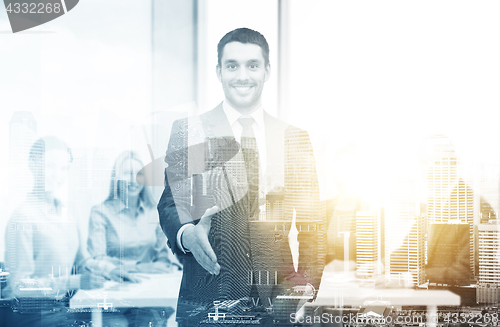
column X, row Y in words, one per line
column 206, row 168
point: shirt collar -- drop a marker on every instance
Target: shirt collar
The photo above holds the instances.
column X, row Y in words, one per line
column 233, row 115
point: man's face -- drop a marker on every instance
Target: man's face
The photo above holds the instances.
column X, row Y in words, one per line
column 243, row 73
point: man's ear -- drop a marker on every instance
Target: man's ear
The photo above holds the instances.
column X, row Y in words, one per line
column 218, row 72
column 268, row 72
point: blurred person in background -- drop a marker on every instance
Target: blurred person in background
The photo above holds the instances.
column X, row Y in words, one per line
column 42, row 242
column 124, row 233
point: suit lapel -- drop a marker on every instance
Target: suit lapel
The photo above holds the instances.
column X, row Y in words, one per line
column 216, row 124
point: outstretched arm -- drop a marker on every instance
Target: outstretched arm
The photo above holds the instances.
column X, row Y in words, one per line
column 186, row 236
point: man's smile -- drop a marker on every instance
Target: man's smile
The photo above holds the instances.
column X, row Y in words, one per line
column 242, row 88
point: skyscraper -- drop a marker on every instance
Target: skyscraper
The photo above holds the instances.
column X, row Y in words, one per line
column 404, row 235
column 489, row 247
column 22, row 136
column 367, row 243
column 449, row 195
column 275, row 204
column 489, row 188
column 488, row 290
column 301, row 182
column 302, row 195
column 343, row 225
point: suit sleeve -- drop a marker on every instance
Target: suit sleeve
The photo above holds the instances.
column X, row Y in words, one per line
column 175, row 202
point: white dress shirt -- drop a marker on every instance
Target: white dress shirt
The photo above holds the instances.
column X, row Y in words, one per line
column 258, row 127
column 259, row 130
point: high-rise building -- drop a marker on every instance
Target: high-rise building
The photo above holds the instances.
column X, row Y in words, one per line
column 449, row 194
column 488, row 289
column 367, row 244
column 342, row 226
column 489, row 247
column 404, row 236
column 301, row 194
column 22, row 179
column 275, row 204
column 449, row 253
column 489, row 183
column 22, row 136
column 301, row 182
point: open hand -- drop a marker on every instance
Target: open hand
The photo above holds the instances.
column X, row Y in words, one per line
column 195, row 239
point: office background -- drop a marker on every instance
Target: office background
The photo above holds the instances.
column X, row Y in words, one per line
column 370, row 81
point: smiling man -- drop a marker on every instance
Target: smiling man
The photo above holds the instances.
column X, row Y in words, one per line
column 228, row 205
column 243, row 70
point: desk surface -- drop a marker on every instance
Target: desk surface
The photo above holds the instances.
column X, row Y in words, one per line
column 163, row 289
column 154, row 290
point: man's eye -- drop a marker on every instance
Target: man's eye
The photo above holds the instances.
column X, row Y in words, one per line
column 231, row 66
column 253, row 66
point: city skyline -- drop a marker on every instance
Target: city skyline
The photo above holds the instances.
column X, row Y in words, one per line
column 441, row 151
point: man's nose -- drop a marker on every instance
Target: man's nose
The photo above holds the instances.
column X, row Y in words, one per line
column 243, row 74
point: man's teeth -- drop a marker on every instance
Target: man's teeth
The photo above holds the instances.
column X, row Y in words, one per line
column 242, row 88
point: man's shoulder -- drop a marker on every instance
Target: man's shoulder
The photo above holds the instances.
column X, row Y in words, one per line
column 194, row 130
column 29, row 210
column 208, row 116
column 288, row 130
column 214, row 113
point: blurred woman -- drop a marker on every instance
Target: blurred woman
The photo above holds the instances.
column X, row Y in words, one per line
column 124, row 231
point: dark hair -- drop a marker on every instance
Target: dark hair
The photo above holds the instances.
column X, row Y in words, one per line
column 243, row 35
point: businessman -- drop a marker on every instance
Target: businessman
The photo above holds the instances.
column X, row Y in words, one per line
column 235, row 180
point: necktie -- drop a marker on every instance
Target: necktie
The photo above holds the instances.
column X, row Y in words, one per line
column 251, row 157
